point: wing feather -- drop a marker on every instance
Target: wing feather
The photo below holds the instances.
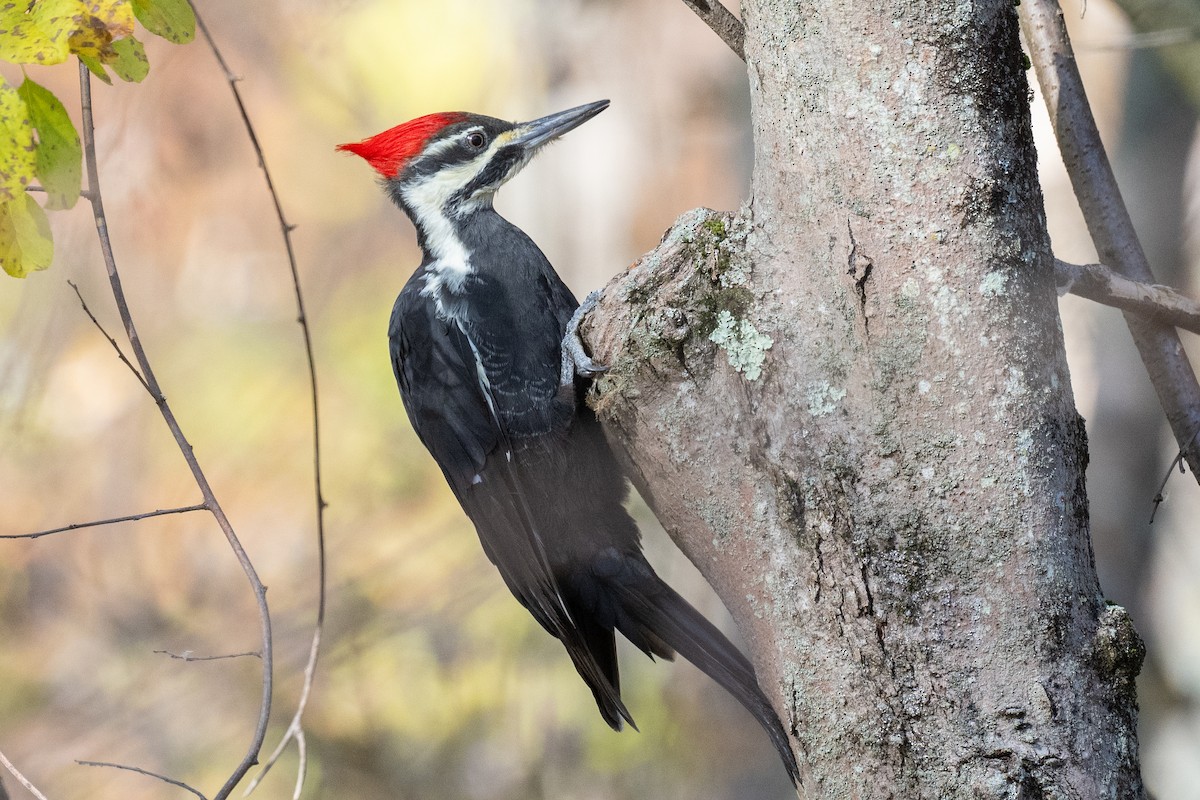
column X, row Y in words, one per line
column 490, row 421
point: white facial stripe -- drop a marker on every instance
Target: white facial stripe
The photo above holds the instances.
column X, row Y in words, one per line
column 483, row 197
column 428, row 201
column 446, row 144
column 428, row 198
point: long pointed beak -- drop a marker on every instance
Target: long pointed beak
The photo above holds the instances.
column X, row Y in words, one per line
column 532, row 135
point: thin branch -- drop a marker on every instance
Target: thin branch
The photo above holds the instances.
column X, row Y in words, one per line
column 141, row 771
column 21, row 779
column 294, row 730
column 1162, row 487
column 111, row 340
column 1143, row 41
column 185, row 448
column 84, row 193
column 74, row 526
column 1173, row 27
column 723, row 22
column 1107, row 218
column 186, row 655
column 1153, row 301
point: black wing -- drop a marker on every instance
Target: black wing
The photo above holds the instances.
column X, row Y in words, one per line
column 482, row 400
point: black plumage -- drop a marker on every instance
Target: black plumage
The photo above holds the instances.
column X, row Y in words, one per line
column 476, row 345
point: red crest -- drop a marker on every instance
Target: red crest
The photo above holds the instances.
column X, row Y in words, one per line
column 387, row 152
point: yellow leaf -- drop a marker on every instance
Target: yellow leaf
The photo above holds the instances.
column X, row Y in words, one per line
column 25, row 241
column 36, row 35
column 46, row 31
column 115, row 15
column 91, row 37
column 18, row 156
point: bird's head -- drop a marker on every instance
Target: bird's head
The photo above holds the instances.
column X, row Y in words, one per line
column 450, row 164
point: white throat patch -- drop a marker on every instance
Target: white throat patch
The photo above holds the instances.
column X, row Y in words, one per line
column 450, row 263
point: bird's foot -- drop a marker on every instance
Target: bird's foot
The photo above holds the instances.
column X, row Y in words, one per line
column 575, row 360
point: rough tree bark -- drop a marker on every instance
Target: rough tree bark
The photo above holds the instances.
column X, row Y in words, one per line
column 849, row 405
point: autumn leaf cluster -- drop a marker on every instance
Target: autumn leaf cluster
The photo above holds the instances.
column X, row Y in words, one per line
column 39, row 145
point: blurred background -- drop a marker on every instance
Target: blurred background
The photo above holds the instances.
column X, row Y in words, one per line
column 433, row 681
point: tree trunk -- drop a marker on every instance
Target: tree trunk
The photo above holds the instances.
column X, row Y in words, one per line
column 849, row 405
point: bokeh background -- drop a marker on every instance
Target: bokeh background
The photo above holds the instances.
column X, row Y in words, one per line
column 433, row 681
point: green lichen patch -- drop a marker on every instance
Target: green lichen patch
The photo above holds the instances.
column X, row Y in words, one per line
column 993, row 284
column 823, row 398
column 692, row 292
column 744, row 346
column 716, row 227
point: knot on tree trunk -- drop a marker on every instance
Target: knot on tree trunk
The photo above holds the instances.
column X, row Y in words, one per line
column 681, row 310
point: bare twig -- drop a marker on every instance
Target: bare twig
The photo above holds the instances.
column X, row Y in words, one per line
column 294, row 732
column 1173, row 27
column 84, row 193
column 74, row 526
column 141, row 771
column 21, row 779
column 1107, row 219
column 1162, row 487
column 185, row 448
column 1099, row 283
column 295, row 729
column 186, row 655
column 1142, row 41
column 111, row 340
column 723, row 22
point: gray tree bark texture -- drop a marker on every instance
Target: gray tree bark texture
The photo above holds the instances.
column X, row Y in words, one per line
column 849, row 405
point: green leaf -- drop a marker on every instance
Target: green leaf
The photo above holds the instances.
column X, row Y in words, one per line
column 131, row 64
column 25, row 241
column 59, row 154
column 95, row 67
column 173, row 20
column 18, row 161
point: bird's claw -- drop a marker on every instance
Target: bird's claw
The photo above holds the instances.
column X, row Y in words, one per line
column 586, row 367
column 575, row 360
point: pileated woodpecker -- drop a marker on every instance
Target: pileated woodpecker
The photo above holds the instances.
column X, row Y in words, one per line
column 484, row 348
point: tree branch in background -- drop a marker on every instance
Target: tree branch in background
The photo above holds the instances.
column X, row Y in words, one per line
column 111, row 340
column 1162, row 487
column 1106, row 216
column 723, row 23
column 185, row 448
column 1172, row 27
column 1153, row 301
column 295, row 729
column 187, row 655
column 21, row 779
column 1150, row 40
column 74, row 526
column 141, row 771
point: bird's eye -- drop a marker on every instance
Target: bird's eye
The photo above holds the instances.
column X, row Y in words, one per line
column 476, row 140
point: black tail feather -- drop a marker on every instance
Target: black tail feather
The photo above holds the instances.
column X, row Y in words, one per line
column 601, row 646
column 653, row 615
